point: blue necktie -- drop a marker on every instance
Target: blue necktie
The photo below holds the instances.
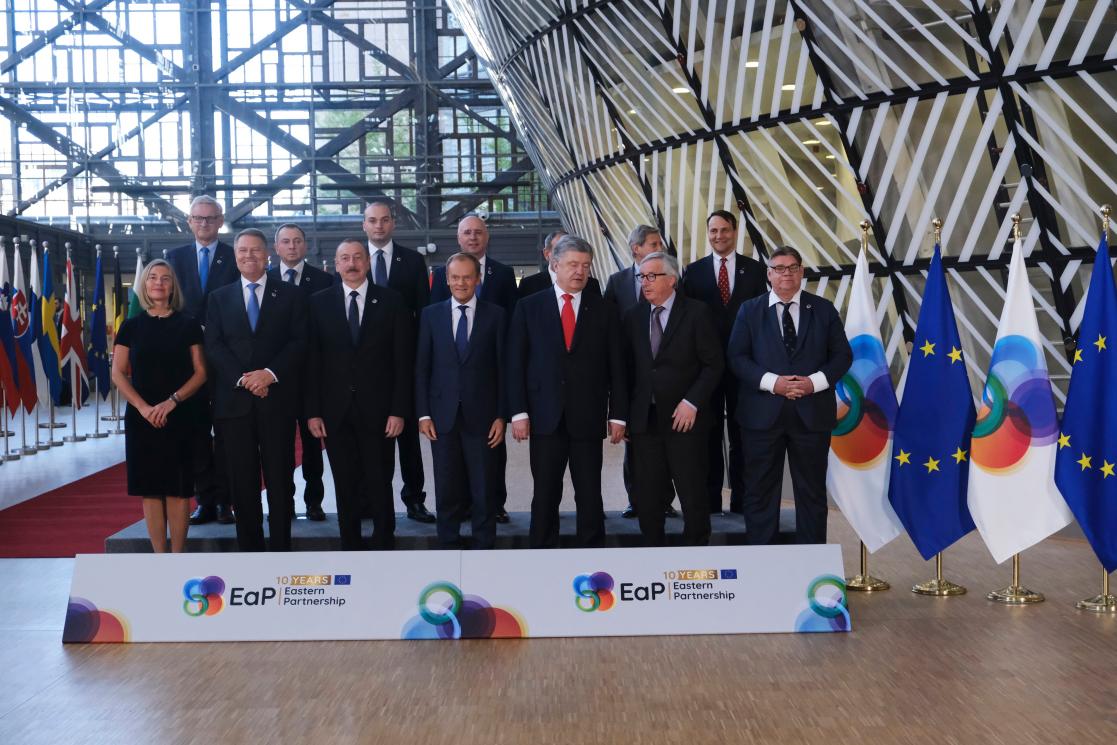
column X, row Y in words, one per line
column 354, row 317
column 203, row 266
column 253, row 305
column 291, row 276
column 461, row 336
column 381, row 275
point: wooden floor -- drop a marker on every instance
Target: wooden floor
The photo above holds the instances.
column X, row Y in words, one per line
column 914, row 670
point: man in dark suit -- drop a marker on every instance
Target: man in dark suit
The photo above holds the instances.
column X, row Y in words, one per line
column 498, row 285
column 675, row 364
column 566, row 390
column 255, row 341
column 788, row 348
column 294, row 269
column 203, row 266
column 360, row 389
column 403, row 270
column 624, row 291
column 459, row 397
column 723, row 280
column 545, row 279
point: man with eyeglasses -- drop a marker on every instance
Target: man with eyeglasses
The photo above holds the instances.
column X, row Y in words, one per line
column 787, row 348
column 675, row 363
column 724, row 279
column 202, row 266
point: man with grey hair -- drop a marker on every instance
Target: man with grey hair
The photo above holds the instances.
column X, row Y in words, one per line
column 675, row 363
column 202, row 266
column 566, row 391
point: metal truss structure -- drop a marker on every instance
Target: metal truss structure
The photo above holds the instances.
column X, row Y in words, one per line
column 809, row 117
column 116, row 112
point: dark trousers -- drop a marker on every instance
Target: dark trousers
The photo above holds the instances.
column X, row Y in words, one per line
column 210, row 469
column 254, row 443
column 764, row 454
column 313, row 492
column 549, row 455
column 356, row 452
column 464, row 476
column 723, row 400
column 661, row 458
column 500, row 485
column 410, row 462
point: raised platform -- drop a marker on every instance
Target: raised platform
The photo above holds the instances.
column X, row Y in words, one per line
column 728, row 530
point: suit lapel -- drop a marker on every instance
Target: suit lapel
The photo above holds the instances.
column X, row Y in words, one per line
column 644, row 316
column 678, row 310
column 587, row 313
column 774, row 332
column 806, row 312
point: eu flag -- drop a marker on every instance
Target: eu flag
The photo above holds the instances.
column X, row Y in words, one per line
column 931, row 450
column 1087, row 457
column 98, row 343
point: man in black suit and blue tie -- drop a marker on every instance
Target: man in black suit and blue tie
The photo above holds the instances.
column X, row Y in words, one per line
column 566, row 392
column 294, row 269
column 202, row 266
column 459, row 398
column 402, row 269
column 788, row 349
column 724, row 280
column 255, row 342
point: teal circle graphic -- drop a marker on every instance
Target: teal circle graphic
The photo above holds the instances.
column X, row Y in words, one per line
column 451, row 614
column 827, row 611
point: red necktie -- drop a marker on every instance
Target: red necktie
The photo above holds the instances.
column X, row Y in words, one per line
column 567, row 320
column 723, row 283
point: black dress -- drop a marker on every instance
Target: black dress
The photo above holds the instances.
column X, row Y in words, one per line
column 159, row 460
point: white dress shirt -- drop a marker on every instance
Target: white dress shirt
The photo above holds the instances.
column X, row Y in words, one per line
column 768, row 381
column 298, row 270
column 730, row 267
column 260, row 283
column 388, row 248
column 362, row 293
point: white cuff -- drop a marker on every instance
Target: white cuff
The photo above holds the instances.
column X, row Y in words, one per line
column 820, row 382
column 424, row 419
column 520, row 417
column 617, row 421
column 688, row 403
column 273, row 377
column 768, row 382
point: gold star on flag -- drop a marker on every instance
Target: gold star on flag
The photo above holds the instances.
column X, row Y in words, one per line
column 1106, row 468
column 931, row 464
column 928, row 349
column 1100, row 343
column 1084, row 461
column 955, row 355
column 904, row 458
column 959, row 455
column 1078, row 355
column 1064, row 441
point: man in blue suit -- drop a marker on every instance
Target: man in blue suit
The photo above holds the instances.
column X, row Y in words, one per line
column 788, row 349
column 459, row 392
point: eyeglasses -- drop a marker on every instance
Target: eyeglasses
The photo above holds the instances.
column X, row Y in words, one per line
column 783, row 269
column 650, row 276
column 202, row 219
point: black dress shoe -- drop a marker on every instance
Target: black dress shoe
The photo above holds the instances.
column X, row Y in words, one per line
column 671, row 511
column 629, row 513
column 225, row 515
column 502, row 516
column 316, row 513
column 419, row 513
column 202, row 515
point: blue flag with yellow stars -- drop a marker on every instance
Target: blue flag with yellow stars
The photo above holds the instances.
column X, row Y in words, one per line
column 931, row 450
column 98, row 343
column 1087, row 457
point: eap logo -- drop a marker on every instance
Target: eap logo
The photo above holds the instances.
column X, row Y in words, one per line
column 593, row 592
column 203, row 596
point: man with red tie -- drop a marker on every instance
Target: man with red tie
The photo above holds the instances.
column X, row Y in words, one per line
column 566, row 390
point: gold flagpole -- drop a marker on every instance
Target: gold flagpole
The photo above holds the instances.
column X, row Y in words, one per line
column 1104, row 603
column 863, row 581
column 938, row 586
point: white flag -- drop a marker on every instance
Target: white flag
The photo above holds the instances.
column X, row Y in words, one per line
column 1012, row 493
column 861, row 444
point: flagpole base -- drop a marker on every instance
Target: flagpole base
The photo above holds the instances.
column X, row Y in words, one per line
column 940, row 588
column 7, row 434
column 29, row 450
column 866, row 583
column 97, row 435
column 1098, row 604
column 9, row 456
column 111, row 418
column 74, row 438
column 52, row 425
column 1015, row 595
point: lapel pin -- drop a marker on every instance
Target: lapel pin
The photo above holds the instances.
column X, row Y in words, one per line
column 808, row 307
column 219, row 261
column 398, row 258
column 273, row 293
column 374, row 300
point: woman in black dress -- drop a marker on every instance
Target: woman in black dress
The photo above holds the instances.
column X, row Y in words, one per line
column 157, row 365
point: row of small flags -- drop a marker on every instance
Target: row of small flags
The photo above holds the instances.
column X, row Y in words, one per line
column 937, row 466
column 39, row 351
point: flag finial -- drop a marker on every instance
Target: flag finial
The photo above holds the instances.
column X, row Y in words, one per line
column 1016, row 226
column 865, row 226
column 936, row 225
column 1105, row 210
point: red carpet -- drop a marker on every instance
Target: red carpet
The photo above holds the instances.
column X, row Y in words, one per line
column 72, row 519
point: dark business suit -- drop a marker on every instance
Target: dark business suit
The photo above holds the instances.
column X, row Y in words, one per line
column 542, row 281
column 621, row 291
column 568, row 396
column 463, row 396
column 210, row 481
column 312, row 280
column 258, row 433
column 774, row 425
column 700, row 282
column 408, row 276
column 689, row 366
column 354, row 388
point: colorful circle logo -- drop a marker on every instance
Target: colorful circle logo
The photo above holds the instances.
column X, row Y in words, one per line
column 1017, row 408
column 826, row 606
column 445, row 612
column 866, row 406
column 593, row 592
column 203, row 596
